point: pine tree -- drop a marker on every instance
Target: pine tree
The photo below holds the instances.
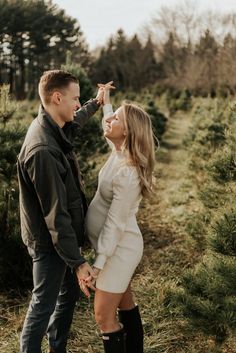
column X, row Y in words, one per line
column 206, row 52
column 86, row 89
column 129, row 64
column 14, row 264
column 34, row 37
column 184, row 102
column 7, row 107
column 159, row 120
column 206, row 294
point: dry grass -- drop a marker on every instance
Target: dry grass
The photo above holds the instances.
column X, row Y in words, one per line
column 168, row 251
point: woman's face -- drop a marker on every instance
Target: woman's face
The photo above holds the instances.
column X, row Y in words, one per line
column 115, row 126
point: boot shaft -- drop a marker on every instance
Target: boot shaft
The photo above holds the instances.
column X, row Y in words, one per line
column 133, row 327
column 114, row 342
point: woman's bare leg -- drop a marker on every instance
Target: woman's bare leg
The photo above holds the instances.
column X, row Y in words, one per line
column 105, row 308
column 127, row 301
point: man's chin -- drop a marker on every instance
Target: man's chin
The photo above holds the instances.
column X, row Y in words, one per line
column 70, row 119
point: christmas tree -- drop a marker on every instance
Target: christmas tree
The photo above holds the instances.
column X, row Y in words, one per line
column 206, row 294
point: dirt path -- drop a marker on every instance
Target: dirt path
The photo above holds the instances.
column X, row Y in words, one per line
column 167, row 252
column 165, row 216
column 173, row 182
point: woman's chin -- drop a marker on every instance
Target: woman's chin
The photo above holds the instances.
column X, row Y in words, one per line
column 106, row 134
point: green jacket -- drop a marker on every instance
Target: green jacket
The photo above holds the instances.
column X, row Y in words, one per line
column 52, row 202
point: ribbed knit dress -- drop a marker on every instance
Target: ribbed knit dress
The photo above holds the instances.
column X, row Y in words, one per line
column 111, row 221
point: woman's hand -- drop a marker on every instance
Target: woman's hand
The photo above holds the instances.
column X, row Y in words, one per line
column 91, row 281
column 96, row 271
column 106, row 91
column 83, row 272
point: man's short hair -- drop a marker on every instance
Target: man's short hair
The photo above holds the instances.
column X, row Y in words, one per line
column 53, row 80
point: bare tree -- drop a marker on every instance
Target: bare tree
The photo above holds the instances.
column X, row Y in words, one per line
column 181, row 21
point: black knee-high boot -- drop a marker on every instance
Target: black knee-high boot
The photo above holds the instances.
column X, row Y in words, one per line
column 114, row 342
column 134, row 329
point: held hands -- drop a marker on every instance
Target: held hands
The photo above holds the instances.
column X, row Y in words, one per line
column 103, row 95
column 90, row 280
column 84, row 272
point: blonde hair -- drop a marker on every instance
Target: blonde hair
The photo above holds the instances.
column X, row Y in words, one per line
column 139, row 142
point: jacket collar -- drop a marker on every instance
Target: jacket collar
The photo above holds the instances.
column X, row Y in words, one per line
column 48, row 123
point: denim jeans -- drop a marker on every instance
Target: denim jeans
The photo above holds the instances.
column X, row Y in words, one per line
column 52, row 304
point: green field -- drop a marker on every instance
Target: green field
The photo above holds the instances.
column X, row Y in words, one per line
column 169, row 251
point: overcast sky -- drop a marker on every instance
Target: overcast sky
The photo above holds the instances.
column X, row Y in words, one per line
column 101, row 18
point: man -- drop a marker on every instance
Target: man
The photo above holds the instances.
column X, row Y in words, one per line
column 52, row 209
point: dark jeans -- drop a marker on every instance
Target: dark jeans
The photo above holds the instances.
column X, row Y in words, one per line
column 52, row 305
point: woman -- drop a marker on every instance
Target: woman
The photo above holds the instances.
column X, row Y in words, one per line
column 112, row 227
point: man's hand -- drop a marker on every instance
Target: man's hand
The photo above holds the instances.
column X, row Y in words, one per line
column 95, row 271
column 83, row 272
column 91, row 280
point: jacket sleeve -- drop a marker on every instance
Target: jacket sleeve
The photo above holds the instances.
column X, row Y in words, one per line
column 126, row 193
column 85, row 112
column 107, row 111
column 46, row 176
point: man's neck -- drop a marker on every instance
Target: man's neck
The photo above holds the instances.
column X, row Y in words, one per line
column 54, row 115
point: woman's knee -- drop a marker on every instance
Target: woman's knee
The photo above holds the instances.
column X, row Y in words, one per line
column 105, row 308
column 106, row 320
column 102, row 316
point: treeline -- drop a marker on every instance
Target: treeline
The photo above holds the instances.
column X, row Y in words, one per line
column 206, row 68
column 130, row 64
column 182, row 52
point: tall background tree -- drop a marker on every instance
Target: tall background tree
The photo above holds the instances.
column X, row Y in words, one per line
column 34, row 37
column 129, row 63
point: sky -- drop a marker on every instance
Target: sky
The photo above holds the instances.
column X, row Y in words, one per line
column 99, row 19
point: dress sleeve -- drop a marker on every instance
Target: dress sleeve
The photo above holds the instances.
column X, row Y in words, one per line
column 107, row 111
column 126, row 192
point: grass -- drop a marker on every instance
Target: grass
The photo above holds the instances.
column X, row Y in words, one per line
column 168, row 251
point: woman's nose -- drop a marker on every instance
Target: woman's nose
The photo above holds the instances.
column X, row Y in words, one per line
column 108, row 119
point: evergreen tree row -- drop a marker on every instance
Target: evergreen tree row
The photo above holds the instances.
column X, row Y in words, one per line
column 128, row 63
column 206, row 294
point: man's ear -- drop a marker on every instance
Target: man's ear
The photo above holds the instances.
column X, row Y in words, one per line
column 56, row 97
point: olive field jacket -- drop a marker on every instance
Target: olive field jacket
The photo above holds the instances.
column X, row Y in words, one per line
column 52, row 202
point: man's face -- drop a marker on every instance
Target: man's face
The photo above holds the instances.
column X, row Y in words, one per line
column 69, row 102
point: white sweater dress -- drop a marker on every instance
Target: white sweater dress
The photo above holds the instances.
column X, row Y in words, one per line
column 111, row 222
